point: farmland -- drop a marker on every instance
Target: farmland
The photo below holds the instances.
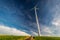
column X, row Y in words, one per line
column 6, row 37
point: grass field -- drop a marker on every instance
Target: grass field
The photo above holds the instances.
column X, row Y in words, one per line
column 5, row 37
column 47, row 38
column 23, row 38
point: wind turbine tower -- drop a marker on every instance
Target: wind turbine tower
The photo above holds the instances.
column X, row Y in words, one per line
column 38, row 26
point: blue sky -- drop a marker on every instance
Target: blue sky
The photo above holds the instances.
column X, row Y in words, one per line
column 13, row 15
column 16, row 17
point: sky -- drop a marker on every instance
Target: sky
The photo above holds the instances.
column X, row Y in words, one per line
column 18, row 18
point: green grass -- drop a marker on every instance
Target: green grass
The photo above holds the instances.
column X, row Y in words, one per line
column 6, row 37
column 12, row 37
column 47, row 38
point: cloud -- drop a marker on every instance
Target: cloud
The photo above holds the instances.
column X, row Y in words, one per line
column 56, row 22
column 56, row 19
column 53, row 7
column 56, row 26
column 11, row 31
column 46, row 29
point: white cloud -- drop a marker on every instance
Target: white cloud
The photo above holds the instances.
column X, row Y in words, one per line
column 56, row 22
column 54, row 9
column 46, row 29
column 11, row 31
column 56, row 13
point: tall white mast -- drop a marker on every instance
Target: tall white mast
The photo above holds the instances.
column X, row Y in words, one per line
column 35, row 9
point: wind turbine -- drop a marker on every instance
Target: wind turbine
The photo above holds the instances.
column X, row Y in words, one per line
column 38, row 26
column 37, row 21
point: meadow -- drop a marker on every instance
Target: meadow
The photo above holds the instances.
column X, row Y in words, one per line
column 5, row 37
